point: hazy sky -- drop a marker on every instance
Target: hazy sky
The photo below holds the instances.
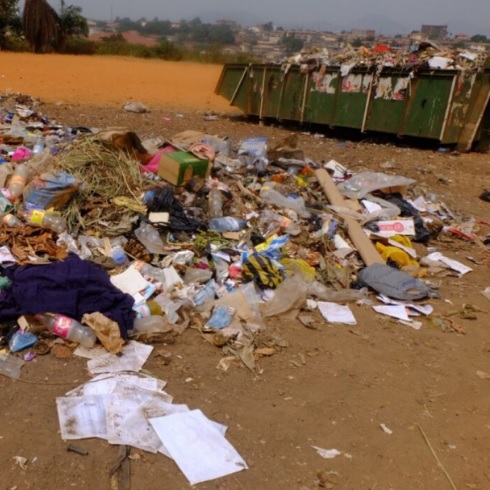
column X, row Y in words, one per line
column 411, row 13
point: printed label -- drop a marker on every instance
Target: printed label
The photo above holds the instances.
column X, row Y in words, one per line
column 17, row 179
column 37, row 217
column 62, row 326
column 142, row 311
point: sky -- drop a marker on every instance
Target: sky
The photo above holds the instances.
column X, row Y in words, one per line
column 469, row 14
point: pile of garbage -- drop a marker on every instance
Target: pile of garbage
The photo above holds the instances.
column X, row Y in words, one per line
column 420, row 56
column 110, row 240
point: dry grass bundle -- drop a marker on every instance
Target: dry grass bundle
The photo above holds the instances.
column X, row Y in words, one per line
column 105, row 173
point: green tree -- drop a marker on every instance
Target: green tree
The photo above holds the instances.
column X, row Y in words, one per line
column 292, row 44
column 10, row 21
column 357, row 43
column 72, row 20
column 479, row 38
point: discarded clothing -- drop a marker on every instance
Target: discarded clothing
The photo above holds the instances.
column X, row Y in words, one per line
column 72, row 287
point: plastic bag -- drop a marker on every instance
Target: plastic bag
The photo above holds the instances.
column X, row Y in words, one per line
column 271, row 196
column 394, row 283
column 361, row 184
column 262, row 270
column 107, row 331
column 50, row 190
column 290, row 295
column 22, row 340
column 321, row 292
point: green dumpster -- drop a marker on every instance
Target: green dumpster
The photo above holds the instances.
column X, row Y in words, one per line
column 448, row 106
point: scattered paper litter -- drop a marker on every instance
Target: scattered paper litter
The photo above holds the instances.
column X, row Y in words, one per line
column 395, row 311
column 334, row 313
column 327, row 453
column 453, row 264
column 486, row 293
column 396, row 227
column 82, row 417
column 197, row 447
column 134, row 355
column 386, row 429
column 424, row 309
column 21, row 461
column 130, row 281
column 93, row 353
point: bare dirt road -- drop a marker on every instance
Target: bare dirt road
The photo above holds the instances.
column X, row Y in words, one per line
column 332, row 387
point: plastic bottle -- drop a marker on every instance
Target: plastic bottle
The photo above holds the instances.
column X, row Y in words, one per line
column 150, row 324
column 150, row 308
column 18, row 181
column 68, row 328
column 227, row 223
column 150, row 238
column 43, row 219
column 38, row 145
column 149, row 271
column 215, row 203
column 11, row 220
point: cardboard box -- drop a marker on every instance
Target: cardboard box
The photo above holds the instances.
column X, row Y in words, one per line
column 179, row 167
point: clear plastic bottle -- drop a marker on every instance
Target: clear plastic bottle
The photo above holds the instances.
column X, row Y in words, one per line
column 227, row 223
column 43, row 219
column 18, row 181
column 38, row 145
column 11, row 220
column 68, row 328
column 215, row 203
column 150, row 308
column 150, row 324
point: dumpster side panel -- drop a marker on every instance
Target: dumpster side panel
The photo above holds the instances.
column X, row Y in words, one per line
column 232, row 85
column 427, row 107
column 254, row 90
column 388, row 103
column 273, row 91
column 352, row 97
column 321, row 97
column 292, row 97
column 463, row 99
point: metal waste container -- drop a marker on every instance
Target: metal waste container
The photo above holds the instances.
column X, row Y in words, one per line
column 448, row 106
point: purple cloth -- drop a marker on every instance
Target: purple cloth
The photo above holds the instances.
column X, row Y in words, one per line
column 71, row 287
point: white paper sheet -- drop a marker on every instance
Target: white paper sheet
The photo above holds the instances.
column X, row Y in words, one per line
column 6, row 258
column 198, row 448
column 126, row 424
column 394, row 311
column 82, row 417
column 105, row 384
column 334, row 313
column 424, row 309
column 130, row 281
column 453, row 264
column 134, row 355
column 372, row 207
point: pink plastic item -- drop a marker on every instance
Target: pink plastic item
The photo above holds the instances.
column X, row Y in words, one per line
column 21, row 154
column 152, row 165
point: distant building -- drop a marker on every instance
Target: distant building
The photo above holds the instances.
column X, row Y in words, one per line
column 435, row 32
column 363, row 33
column 462, row 37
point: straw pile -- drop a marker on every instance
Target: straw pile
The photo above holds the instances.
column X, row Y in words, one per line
column 105, row 173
